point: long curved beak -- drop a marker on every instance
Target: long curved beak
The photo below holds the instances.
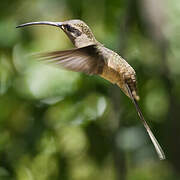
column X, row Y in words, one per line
column 57, row 24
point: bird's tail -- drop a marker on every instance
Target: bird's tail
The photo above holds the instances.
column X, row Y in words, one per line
column 151, row 135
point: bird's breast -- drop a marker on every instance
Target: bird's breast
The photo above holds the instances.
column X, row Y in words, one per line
column 118, row 71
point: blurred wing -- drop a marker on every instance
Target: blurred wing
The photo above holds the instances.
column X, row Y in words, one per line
column 85, row 59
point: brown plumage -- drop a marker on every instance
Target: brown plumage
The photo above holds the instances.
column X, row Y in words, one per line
column 91, row 57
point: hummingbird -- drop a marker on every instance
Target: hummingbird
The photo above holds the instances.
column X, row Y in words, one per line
column 93, row 58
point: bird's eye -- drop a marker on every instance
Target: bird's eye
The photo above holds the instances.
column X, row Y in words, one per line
column 69, row 28
column 73, row 30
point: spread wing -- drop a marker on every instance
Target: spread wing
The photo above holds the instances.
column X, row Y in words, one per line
column 85, row 59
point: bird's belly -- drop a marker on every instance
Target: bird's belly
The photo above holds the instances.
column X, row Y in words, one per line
column 118, row 78
column 111, row 75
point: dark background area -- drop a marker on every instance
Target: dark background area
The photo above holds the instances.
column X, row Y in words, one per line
column 56, row 124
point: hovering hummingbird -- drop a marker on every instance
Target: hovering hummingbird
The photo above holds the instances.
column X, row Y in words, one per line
column 93, row 58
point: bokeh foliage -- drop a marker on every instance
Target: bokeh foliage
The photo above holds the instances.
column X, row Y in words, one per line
column 56, row 124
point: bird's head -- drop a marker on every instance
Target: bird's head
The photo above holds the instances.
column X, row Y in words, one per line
column 78, row 31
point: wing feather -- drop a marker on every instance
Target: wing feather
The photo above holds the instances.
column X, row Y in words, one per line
column 85, row 59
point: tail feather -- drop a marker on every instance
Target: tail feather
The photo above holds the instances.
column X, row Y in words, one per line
column 151, row 135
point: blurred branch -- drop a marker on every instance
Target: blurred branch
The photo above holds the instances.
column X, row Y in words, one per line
column 118, row 154
column 151, row 19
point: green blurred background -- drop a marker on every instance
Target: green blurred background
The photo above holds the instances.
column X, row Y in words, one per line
column 56, row 124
